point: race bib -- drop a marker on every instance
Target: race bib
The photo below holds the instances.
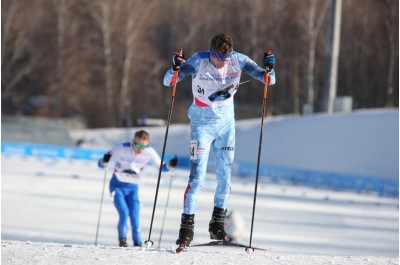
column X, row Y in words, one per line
column 193, row 149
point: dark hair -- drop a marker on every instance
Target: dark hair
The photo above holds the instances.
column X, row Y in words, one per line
column 222, row 43
column 142, row 135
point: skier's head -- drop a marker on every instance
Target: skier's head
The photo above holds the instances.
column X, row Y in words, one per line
column 140, row 141
column 221, row 49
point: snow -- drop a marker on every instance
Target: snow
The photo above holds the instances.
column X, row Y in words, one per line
column 16, row 252
column 50, row 207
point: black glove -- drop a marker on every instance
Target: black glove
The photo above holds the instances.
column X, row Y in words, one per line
column 106, row 158
column 177, row 61
column 173, row 162
column 269, row 61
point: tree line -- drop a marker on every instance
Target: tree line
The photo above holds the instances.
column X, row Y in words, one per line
column 104, row 60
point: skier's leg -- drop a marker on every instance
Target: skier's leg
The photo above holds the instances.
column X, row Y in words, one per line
column 123, row 211
column 201, row 140
column 224, row 149
column 134, row 214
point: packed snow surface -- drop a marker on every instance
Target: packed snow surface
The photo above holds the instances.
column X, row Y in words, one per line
column 50, row 212
column 50, row 207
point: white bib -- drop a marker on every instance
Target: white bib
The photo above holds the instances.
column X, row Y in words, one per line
column 216, row 87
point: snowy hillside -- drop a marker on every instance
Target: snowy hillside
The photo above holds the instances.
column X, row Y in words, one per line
column 353, row 148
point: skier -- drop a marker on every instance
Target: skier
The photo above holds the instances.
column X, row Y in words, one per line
column 215, row 78
column 130, row 158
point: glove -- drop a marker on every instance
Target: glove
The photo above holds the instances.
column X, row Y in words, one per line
column 269, row 61
column 177, row 61
column 173, row 162
column 106, row 158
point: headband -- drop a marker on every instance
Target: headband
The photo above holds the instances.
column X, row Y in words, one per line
column 221, row 56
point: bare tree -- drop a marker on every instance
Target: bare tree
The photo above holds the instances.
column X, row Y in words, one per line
column 16, row 58
column 391, row 22
column 254, row 28
column 137, row 10
column 106, row 30
column 314, row 26
column 61, row 10
column 101, row 12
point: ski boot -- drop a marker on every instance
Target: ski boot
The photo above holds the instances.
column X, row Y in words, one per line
column 137, row 244
column 122, row 243
column 185, row 232
column 216, row 226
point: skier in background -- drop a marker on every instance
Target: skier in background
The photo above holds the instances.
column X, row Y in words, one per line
column 130, row 158
column 215, row 78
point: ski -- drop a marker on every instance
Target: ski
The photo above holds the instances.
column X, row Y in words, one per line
column 228, row 244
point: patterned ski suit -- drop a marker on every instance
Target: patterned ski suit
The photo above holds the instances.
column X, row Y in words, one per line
column 212, row 119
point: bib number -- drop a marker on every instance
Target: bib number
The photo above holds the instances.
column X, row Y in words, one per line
column 193, row 149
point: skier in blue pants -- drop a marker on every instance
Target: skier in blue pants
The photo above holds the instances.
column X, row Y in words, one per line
column 215, row 79
column 130, row 158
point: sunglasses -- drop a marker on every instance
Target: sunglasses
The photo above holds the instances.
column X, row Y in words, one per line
column 139, row 146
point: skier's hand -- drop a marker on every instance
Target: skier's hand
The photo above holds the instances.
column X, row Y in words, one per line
column 173, row 162
column 106, row 158
column 177, row 60
column 269, row 61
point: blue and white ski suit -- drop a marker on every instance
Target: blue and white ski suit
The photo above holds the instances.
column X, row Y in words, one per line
column 212, row 119
column 124, row 184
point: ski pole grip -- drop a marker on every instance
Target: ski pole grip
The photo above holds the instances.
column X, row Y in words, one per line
column 175, row 77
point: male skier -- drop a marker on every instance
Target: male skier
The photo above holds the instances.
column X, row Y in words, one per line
column 215, row 78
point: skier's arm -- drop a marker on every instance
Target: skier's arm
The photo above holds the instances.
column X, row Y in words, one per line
column 189, row 67
column 107, row 156
column 156, row 160
column 250, row 67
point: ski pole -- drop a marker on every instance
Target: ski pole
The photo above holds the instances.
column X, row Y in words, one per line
column 101, row 204
column 266, row 79
column 174, row 80
column 166, row 206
